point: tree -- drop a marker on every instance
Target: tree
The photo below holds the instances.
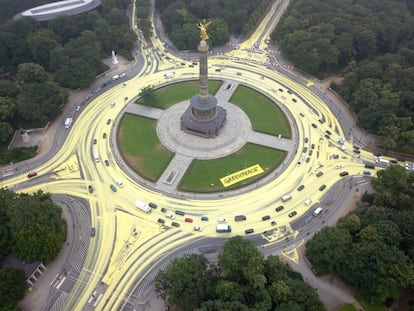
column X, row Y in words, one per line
column 40, row 45
column 12, row 287
column 147, row 95
column 37, row 242
column 31, row 73
column 185, row 281
column 328, row 248
column 240, row 260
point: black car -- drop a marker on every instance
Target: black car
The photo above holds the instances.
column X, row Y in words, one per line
column 313, row 146
column 305, row 149
column 267, row 217
column 161, row 221
column 163, row 210
column 319, row 174
column 239, row 218
column 108, row 121
column 306, row 139
column 94, row 141
column 90, row 188
column 314, row 125
column 310, row 152
column 175, row 224
column 291, row 214
column 279, row 208
column 301, row 187
column 248, row 231
column 104, row 135
column 321, row 188
column 113, row 188
column 92, row 232
column 357, row 151
column 181, row 213
column 106, row 162
column 342, row 174
column 152, row 205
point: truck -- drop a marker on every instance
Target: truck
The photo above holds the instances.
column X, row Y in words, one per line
column 170, row 74
column 142, row 206
column 286, row 197
column 68, row 122
column 223, row 228
column 382, row 161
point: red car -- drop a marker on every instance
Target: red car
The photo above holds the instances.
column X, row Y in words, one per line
column 188, row 220
column 31, row 174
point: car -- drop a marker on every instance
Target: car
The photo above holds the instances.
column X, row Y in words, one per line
column 204, row 218
column 335, row 156
column 368, row 173
column 301, row 187
column 328, row 132
column 279, row 208
column 321, row 188
column 301, row 114
column 90, row 189
column 222, row 220
column 293, row 213
column 175, row 224
column 197, row 228
column 152, row 205
column 280, row 90
column 248, row 231
column 112, row 188
column 188, row 219
column 306, row 139
column 342, row 174
column 239, row 218
column 239, row 73
column 322, row 121
column 307, row 160
column 170, row 216
column 104, row 135
column 190, row 65
column 120, row 183
column 106, row 162
column 339, row 166
column 308, row 201
column 161, row 221
column 108, row 121
column 94, row 141
column 273, row 223
column 313, row 146
column 181, row 213
column 92, row 232
column 112, row 105
column 357, row 151
column 218, row 70
column 299, row 163
column 267, row 217
column 122, row 75
column 314, row 125
column 305, row 149
column 327, row 136
column 310, row 152
column 294, row 100
column 78, row 108
column 163, row 210
column 319, row 174
column 31, row 174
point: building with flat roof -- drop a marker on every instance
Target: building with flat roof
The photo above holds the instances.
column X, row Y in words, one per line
column 52, row 10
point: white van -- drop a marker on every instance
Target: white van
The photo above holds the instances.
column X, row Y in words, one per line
column 317, row 211
column 286, row 197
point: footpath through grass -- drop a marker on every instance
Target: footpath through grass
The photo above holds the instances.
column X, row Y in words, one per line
column 204, row 175
column 265, row 116
column 141, row 148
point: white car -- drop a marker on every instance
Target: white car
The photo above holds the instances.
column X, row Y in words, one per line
column 339, row 166
column 120, row 183
column 197, row 228
column 222, row 220
column 122, row 75
column 308, row 201
column 170, row 216
column 112, row 105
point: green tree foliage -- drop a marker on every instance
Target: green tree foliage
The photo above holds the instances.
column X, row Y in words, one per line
column 37, row 242
column 370, row 47
column 31, row 73
column 12, row 288
column 185, row 282
column 230, row 16
column 377, row 257
column 38, row 103
column 40, row 44
column 147, row 95
column 243, row 280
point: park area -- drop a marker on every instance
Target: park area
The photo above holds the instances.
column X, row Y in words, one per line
column 144, row 153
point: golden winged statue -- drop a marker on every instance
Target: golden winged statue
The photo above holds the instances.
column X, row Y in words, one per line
column 202, row 25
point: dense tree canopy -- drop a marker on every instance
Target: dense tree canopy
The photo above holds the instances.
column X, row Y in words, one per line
column 243, row 280
column 12, row 288
column 370, row 43
column 372, row 249
column 179, row 18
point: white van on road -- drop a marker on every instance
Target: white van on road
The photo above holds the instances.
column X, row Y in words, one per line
column 317, row 211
